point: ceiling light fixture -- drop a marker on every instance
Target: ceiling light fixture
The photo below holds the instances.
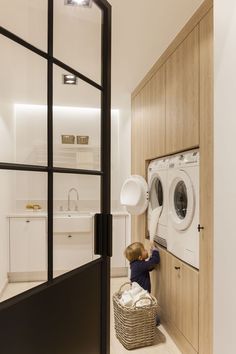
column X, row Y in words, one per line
column 69, row 79
column 83, row 3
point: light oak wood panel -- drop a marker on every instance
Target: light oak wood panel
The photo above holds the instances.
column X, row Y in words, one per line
column 180, row 340
column 189, row 304
column 182, row 95
column 138, row 151
column 177, row 294
column 194, row 20
column 206, row 186
column 156, row 116
column 160, row 280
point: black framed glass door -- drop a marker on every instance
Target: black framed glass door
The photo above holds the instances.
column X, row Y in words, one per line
column 55, row 222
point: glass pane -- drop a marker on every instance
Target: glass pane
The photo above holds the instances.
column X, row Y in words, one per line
column 23, row 231
column 76, row 123
column 76, row 200
column 156, row 194
column 77, row 38
column 23, row 98
column 181, row 199
column 27, row 19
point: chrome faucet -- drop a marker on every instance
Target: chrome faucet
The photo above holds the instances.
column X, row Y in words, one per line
column 77, row 198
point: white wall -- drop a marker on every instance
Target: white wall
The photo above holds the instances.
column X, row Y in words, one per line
column 30, row 147
column 6, row 151
column 225, row 177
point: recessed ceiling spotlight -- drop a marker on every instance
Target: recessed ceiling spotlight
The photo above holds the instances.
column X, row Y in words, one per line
column 69, row 79
column 84, row 3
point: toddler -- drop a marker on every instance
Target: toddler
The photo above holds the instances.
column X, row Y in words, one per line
column 140, row 268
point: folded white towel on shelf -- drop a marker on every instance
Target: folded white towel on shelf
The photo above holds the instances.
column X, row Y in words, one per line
column 130, row 297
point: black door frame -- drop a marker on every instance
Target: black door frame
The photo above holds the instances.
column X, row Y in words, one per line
column 103, row 221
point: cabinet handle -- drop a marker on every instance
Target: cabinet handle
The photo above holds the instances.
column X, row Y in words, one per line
column 27, row 220
column 199, row 227
column 177, row 268
column 69, row 236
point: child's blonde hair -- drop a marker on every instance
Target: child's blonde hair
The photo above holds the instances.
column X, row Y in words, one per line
column 134, row 251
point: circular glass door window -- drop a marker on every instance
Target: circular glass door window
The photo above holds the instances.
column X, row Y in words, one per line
column 181, row 199
column 156, row 193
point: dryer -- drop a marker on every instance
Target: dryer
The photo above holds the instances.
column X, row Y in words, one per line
column 139, row 195
column 183, row 216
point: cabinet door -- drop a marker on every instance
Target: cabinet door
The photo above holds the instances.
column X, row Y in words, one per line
column 154, row 115
column 182, row 95
column 161, row 282
column 138, row 164
column 189, row 304
column 28, row 245
column 119, row 242
column 71, row 250
column 138, row 136
column 175, row 294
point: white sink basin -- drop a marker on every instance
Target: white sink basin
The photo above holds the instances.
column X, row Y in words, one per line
column 72, row 222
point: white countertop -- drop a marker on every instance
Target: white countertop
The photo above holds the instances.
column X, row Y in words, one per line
column 43, row 214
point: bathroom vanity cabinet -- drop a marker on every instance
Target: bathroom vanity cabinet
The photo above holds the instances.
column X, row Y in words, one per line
column 71, row 250
column 28, row 249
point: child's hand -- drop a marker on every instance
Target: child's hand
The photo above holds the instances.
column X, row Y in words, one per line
column 153, row 246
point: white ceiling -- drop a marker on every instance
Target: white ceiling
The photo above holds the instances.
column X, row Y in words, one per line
column 142, row 30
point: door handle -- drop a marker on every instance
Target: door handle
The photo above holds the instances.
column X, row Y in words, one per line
column 177, row 268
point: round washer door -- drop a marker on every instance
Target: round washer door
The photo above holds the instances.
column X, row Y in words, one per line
column 156, row 193
column 181, row 200
column 134, row 195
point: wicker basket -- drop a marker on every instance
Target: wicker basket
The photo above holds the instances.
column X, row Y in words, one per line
column 135, row 326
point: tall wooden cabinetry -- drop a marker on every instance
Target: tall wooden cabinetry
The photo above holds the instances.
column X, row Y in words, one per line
column 182, row 95
column 171, row 112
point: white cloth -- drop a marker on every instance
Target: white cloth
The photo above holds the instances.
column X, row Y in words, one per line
column 129, row 297
column 154, row 219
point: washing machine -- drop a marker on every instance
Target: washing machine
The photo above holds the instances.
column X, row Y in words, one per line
column 183, row 207
column 157, row 215
column 139, row 196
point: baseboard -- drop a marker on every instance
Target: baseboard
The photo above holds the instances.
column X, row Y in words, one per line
column 15, row 277
column 3, row 287
column 177, row 336
column 119, row 272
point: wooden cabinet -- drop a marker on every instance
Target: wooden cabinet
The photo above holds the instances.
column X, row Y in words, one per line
column 154, row 115
column 182, row 95
column 28, row 249
column 138, row 136
column 148, row 122
column 175, row 284
column 160, row 279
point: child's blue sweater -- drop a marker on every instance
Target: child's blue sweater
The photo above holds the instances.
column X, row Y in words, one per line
column 140, row 270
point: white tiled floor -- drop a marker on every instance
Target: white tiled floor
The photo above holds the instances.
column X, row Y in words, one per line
column 13, row 289
column 163, row 343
